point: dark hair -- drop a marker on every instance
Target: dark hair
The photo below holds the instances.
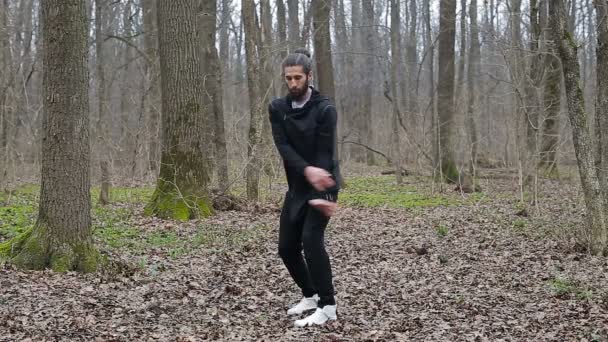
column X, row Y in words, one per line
column 300, row 57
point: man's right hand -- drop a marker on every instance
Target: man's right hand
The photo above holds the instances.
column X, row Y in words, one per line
column 318, row 178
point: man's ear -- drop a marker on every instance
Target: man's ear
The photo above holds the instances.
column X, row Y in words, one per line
column 310, row 75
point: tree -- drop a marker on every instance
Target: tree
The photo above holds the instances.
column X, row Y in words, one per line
column 212, row 78
column 552, row 104
column 368, row 41
column 293, row 24
column 182, row 187
column 593, row 234
column 61, row 237
column 6, row 78
column 151, row 71
column 255, row 100
column 395, row 60
column 601, row 104
column 102, row 121
column 322, row 44
column 445, row 89
column 472, row 79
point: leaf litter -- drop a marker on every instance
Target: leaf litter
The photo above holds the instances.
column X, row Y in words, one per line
column 446, row 273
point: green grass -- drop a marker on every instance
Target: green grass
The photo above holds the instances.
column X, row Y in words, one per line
column 564, row 288
column 383, row 191
column 442, row 230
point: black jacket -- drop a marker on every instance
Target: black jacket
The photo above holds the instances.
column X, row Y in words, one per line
column 306, row 137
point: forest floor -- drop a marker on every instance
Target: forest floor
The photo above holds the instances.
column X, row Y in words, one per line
column 411, row 263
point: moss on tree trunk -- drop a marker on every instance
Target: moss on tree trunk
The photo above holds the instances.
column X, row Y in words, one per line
column 178, row 203
column 35, row 249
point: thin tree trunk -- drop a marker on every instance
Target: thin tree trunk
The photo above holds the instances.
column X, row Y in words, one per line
column 62, row 238
column 593, row 234
column 395, row 58
column 552, row 105
column 322, row 44
column 412, row 66
column 255, row 101
column 282, row 29
column 531, row 113
column 266, row 83
column 472, row 79
column 445, row 89
column 369, row 40
column 601, row 104
column 430, row 48
column 182, row 188
column 212, row 76
column 153, row 88
column 6, row 78
column 294, row 24
column 102, row 121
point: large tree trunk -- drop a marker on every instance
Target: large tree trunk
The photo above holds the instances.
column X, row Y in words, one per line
column 395, row 59
column 102, row 121
column 601, row 104
column 445, row 89
column 255, row 100
column 181, row 192
column 322, row 44
column 61, row 238
column 153, row 89
column 593, row 234
column 212, row 88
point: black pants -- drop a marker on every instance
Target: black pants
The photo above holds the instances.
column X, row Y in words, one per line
column 302, row 227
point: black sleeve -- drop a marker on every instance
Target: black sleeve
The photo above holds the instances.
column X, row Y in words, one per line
column 326, row 156
column 287, row 152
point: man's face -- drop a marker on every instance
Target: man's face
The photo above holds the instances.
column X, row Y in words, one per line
column 297, row 81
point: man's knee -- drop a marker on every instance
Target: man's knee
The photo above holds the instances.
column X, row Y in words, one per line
column 288, row 250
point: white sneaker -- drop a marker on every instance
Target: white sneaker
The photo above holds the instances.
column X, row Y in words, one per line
column 319, row 317
column 306, row 304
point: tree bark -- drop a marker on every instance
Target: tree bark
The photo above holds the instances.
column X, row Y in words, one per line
column 282, row 29
column 294, row 24
column 182, row 188
column 255, row 100
column 472, row 79
column 445, row 89
column 531, row 113
column 550, row 124
column 153, row 84
column 601, row 104
column 61, row 238
column 369, row 41
column 212, row 88
column 322, row 44
column 6, row 79
column 395, row 59
column 102, row 120
column 593, row 234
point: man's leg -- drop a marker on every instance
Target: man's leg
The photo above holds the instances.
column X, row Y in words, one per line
column 313, row 238
column 290, row 250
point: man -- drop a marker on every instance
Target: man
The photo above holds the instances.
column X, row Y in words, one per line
column 304, row 132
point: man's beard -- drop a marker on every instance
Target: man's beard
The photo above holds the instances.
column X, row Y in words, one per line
column 297, row 94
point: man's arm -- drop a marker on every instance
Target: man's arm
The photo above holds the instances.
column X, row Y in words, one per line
column 279, row 136
column 326, row 155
